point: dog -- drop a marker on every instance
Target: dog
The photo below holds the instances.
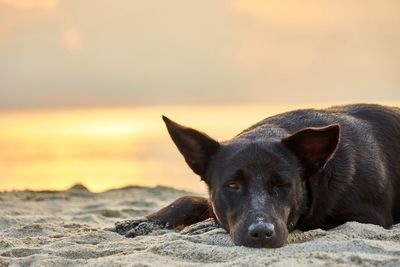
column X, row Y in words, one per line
column 303, row 169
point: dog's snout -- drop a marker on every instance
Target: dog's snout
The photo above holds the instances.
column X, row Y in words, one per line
column 261, row 230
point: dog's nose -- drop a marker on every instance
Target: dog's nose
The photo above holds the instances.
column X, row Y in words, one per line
column 261, row 230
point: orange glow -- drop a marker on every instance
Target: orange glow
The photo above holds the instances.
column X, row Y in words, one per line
column 25, row 4
column 73, row 40
column 107, row 148
column 301, row 13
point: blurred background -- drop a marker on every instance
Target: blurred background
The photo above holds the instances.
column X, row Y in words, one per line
column 83, row 84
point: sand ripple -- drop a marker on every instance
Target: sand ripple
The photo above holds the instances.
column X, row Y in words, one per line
column 73, row 228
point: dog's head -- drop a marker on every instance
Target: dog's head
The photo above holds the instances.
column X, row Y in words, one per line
column 257, row 187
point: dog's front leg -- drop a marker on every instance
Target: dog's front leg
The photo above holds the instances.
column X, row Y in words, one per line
column 182, row 212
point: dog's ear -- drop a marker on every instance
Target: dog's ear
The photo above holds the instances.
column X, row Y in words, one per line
column 314, row 147
column 196, row 147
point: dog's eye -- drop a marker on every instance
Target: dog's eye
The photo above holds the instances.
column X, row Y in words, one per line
column 282, row 184
column 278, row 182
column 233, row 185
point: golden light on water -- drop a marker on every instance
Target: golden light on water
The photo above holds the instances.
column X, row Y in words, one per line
column 52, row 150
column 108, row 148
column 111, row 148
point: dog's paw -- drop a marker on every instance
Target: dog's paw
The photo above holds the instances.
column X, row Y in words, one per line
column 201, row 227
column 132, row 228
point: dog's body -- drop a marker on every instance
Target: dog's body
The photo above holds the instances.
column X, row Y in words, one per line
column 303, row 169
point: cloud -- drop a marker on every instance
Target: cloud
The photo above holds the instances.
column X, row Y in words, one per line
column 317, row 50
column 126, row 52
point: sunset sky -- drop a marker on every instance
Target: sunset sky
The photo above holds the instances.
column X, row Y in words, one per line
column 73, row 53
column 83, row 84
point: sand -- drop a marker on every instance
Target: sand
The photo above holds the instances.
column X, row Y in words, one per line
column 72, row 228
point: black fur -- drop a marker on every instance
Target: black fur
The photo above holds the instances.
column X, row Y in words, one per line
column 303, row 169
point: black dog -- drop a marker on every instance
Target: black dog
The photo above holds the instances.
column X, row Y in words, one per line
column 303, row 169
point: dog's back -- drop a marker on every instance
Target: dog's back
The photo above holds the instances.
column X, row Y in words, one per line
column 385, row 126
column 364, row 172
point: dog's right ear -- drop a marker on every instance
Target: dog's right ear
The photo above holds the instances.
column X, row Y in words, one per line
column 196, row 147
column 314, row 146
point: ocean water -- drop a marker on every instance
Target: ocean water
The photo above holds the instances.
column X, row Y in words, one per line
column 112, row 147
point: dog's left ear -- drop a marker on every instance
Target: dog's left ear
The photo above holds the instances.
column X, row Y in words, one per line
column 314, row 147
column 195, row 146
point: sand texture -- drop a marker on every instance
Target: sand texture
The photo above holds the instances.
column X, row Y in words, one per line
column 69, row 228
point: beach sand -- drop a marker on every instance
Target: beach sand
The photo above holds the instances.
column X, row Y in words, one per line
column 72, row 227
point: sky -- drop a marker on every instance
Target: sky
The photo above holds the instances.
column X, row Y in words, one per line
column 98, row 53
column 83, row 83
